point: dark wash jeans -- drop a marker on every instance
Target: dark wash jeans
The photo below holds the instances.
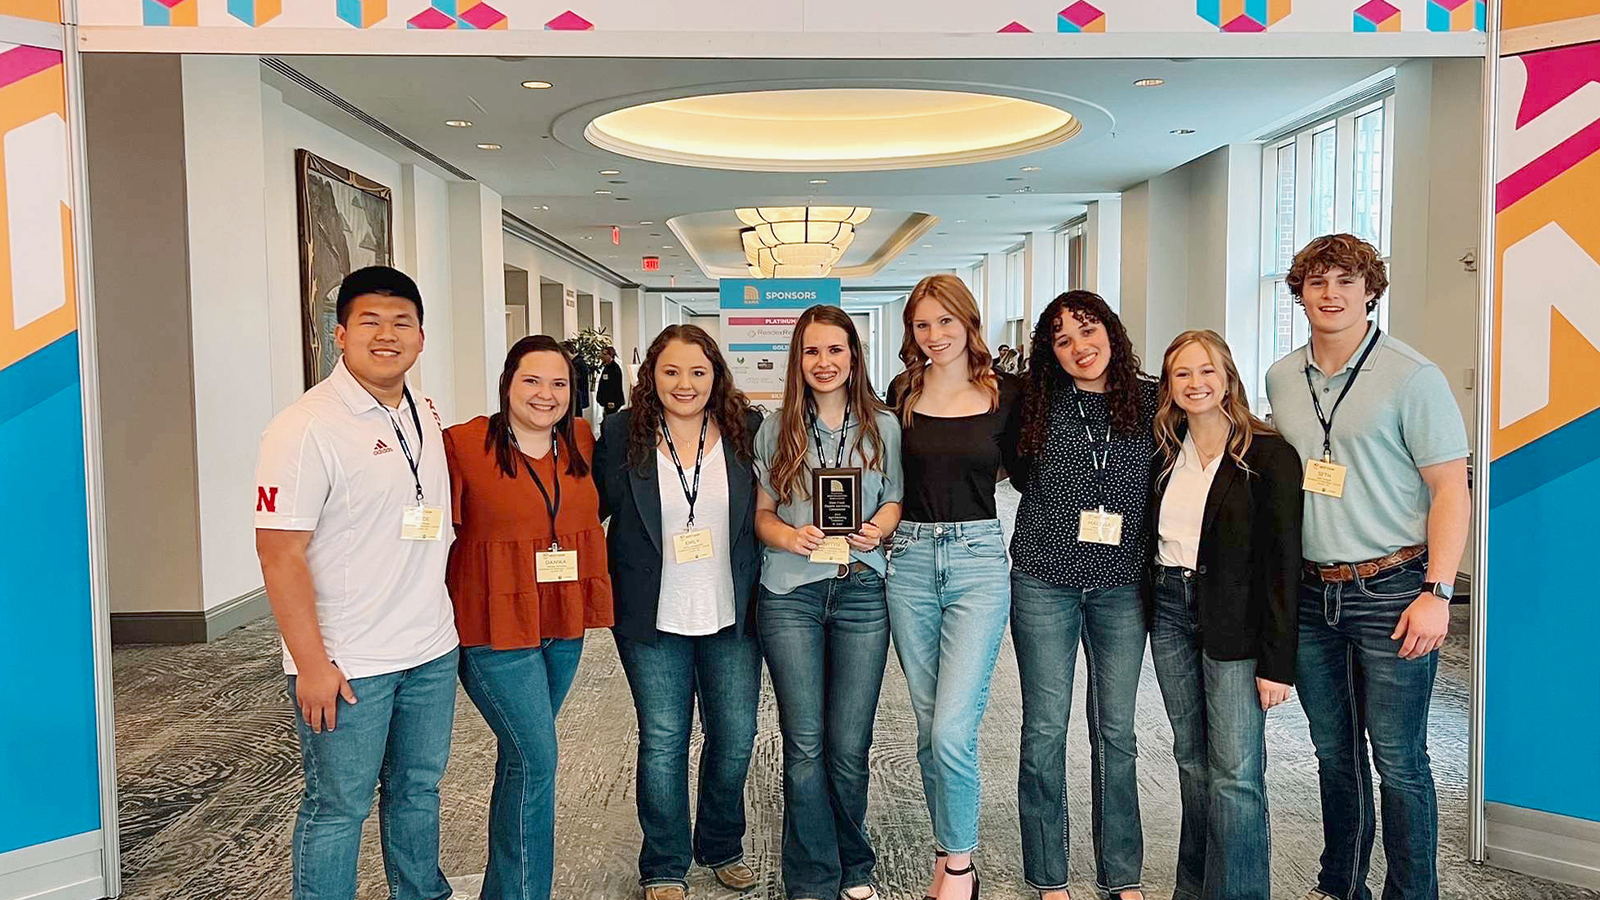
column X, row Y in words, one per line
column 722, row 673
column 519, row 692
column 396, row 734
column 826, row 645
column 1219, row 740
column 1359, row 694
column 1047, row 624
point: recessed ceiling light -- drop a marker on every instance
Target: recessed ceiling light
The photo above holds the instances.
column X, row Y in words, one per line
column 958, row 221
column 646, row 223
column 927, row 246
column 602, row 191
column 819, row 181
column 1181, row 131
column 588, row 237
column 537, row 85
column 610, row 171
column 488, row 146
column 1030, row 168
column 545, row 208
column 1150, row 82
column 666, row 246
column 458, row 123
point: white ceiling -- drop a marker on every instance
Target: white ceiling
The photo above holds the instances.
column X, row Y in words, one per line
column 981, row 208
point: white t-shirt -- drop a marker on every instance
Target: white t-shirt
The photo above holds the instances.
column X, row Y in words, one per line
column 1183, row 507
column 332, row 465
column 696, row 597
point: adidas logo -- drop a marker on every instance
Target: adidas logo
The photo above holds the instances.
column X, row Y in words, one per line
column 381, row 448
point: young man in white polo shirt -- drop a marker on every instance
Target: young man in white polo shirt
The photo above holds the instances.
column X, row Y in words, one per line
column 352, row 503
column 1386, row 512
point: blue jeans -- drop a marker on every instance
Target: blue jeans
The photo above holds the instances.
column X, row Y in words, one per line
column 722, row 672
column 947, row 610
column 519, row 692
column 826, row 644
column 1219, row 740
column 1357, row 692
column 397, row 734
column 1047, row 623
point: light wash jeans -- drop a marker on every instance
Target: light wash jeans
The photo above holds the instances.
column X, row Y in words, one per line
column 1047, row 624
column 1219, row 740
column 519, row 692
column 948, row 599
column 397, row 733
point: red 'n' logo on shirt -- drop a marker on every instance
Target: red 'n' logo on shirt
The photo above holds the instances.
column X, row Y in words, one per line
column 267, row 499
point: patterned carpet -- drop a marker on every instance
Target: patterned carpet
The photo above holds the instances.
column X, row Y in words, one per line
column 209, row 779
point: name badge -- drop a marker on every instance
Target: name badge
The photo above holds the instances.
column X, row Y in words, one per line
column 835, row 550
column 422, row 523
column 1097, row 526
column 689, row 546
column 1325, row 478
column 555, row 565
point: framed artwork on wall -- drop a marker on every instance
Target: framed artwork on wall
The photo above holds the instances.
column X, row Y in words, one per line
column 346, row 223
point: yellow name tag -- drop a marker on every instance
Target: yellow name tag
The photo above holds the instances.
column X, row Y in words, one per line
column 834, row 550
column 1098, row 527
column 1325, row 478
column 690, row 546
column 555, row 565
column 422, row 523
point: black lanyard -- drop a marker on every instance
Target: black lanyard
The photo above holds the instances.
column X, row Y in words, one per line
column 1098, row 461
column 415, row 462
column 555, row 466
column 1327, row 421
column 844, row 429
column 699, row 455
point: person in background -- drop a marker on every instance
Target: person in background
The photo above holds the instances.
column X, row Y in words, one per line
column 824, row 625
column 352, row 503
column 675, row 471
column 527, row 576
column 610, row 394
column 1084, row 445
column 1221, row 600
column 581, row 375
column 947, row 591
column 1386, row 514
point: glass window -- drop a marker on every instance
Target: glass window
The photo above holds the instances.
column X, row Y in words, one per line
column 1367, row 218
column 1324, row 172
column 1284, row 243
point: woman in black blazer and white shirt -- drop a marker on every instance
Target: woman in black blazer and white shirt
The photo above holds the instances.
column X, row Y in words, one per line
column 1222, row 600
column 676, row 477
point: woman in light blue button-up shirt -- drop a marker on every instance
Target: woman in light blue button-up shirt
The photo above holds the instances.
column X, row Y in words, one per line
column 824, row 625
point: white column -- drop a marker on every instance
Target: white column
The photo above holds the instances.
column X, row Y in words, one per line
column 1102, row 251
column 424, row 232
column 1040, row 263
column 477, row 276
column 994, row 299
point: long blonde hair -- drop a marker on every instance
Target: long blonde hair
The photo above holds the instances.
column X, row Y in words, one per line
column 789, row 459
column 1243, row 425
column 952, row 294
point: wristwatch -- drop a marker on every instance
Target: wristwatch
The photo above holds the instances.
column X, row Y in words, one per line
column 1444, row 590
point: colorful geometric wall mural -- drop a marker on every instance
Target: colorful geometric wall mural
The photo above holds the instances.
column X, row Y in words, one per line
column 174, row 13
column 1544, row 474
column 363, row 13
column 1082, row 17
column 1377, row 15
column 49, row 784
column 1456, row 15
column 444, row 14
column 1243, row 16
column 255, row 12
column 37, row 10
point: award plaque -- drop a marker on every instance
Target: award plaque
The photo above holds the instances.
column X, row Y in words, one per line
column 836, row 500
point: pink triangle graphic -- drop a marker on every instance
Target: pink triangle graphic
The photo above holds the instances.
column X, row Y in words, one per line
column 569, row 21
column 1015, row 28
column 1555, row 75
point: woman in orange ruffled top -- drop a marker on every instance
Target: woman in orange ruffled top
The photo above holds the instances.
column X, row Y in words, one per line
column 527, row 576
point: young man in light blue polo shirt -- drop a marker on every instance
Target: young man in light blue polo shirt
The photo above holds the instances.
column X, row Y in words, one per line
column 1386, row 514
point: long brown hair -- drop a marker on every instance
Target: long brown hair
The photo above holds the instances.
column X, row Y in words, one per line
column 952, row 294
column 727, row 404
column 1046, row 377
column 500, row 441
column 1243, row 426
column 789, row 459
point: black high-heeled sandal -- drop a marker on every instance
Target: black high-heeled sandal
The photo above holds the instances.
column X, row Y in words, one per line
column 937, row 854
column 972, row 870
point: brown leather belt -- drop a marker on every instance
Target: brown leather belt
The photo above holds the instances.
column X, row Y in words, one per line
column 1338, row 572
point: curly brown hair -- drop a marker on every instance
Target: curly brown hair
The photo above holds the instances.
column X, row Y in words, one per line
column 1046, row 378
column 1339, row 251
column 728, row 405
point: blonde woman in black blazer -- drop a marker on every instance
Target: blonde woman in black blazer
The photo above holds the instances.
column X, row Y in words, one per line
column 1221, row 602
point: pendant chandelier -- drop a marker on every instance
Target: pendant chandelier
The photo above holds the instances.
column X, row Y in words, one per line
column 797, row 241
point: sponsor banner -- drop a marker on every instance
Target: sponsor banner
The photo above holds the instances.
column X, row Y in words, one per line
column 758, row 317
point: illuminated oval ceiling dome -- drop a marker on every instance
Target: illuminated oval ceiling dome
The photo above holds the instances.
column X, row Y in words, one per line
column 832, row 129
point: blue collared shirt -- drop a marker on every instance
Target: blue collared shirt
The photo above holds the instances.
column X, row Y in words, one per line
column 782, row 571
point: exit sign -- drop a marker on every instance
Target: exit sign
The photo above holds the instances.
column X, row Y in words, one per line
column 652, row 263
